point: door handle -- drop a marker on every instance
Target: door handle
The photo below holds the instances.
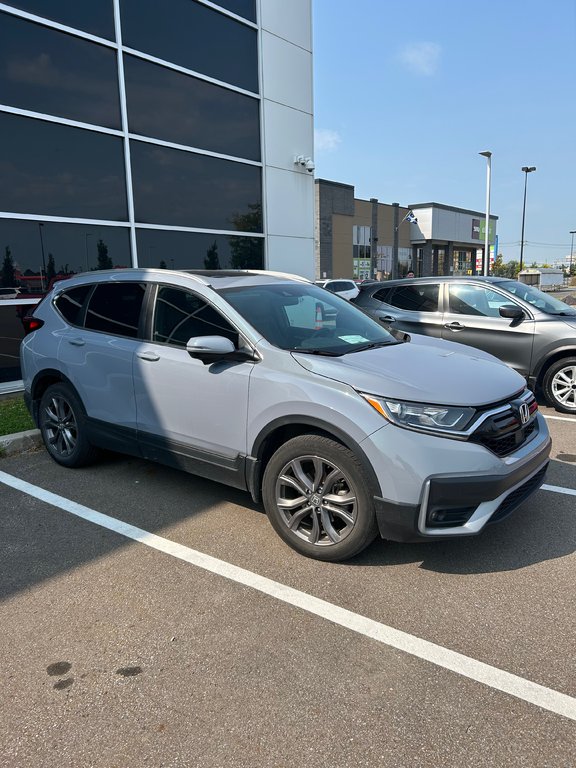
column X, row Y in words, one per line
column 387, row 319
column 455, row 326
column 76, row 342
column 150, row 356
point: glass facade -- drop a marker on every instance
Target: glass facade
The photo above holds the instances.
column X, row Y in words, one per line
column 142, row 150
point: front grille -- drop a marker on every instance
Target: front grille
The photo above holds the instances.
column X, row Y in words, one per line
column 518, row 496
column 503, row 432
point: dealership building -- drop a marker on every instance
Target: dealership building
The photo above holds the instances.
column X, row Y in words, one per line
column 137, row 133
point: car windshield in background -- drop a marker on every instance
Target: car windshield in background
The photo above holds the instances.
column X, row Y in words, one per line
column 537, row 298
column 305, row 318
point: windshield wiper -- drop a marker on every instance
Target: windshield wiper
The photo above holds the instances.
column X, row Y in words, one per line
column 373, row 345
column 324, row 352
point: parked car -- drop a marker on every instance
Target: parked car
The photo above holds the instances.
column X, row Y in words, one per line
column 348, row 289
column 531, row 331
column 9, row 293
column 342, row 430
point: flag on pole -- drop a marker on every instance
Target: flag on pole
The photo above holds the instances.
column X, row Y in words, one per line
column 410, row 217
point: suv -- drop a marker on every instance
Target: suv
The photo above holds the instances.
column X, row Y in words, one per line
column 236, row 377
column 348, row 289
column 529, row 330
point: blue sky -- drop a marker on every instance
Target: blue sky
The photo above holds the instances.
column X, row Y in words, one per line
column 406, row 94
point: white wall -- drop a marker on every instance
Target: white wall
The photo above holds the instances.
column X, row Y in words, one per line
column 287, row 131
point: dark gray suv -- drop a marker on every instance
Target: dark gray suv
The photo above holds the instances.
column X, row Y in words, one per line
column 531, row 331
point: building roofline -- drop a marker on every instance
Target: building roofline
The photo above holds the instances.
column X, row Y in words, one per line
column 482, row 214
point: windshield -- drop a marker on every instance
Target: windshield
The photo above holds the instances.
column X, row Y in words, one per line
column 302, row 317
column 537, row 298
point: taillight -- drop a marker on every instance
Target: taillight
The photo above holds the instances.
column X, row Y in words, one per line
column 31, row 323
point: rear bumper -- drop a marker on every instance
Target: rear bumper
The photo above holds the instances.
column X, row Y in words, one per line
column 461, row 506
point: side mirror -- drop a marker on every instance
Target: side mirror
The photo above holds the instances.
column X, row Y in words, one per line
column 511, row 311
column 210, row 349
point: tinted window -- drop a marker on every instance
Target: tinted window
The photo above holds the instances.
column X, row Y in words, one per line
column 115, row 308
column 194, row 36
column 195, row 250
column 190, row 111
column 48, row 71
column 416, row 298
column 60, row 171
column 245, row 8
column 176, row 187
column 383, row 294
column 70, row 303
column 94, row 16
column 41, row 252
column 179, row 315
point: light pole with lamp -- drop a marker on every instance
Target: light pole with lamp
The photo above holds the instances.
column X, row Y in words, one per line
column 43, row 273
column 488, row 155
column 526, row 169
column 572, row 232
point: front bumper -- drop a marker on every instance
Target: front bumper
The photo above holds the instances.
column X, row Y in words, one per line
column 463, row 504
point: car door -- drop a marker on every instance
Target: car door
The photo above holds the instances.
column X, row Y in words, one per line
column 97, row 347
column 472, row 317
column 191, row 415
column 412, row 307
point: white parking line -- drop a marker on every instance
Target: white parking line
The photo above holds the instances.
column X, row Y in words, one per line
column 500, row 680
column 558, row 489
column 560, row 418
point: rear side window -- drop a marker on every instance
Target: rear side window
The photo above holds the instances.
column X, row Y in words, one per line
column 115, row 308
column 70, row 303
column 416, row 298
column 179, row 315
column 383, row 295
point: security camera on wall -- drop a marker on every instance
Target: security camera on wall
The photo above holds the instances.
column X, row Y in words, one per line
column 305, row 162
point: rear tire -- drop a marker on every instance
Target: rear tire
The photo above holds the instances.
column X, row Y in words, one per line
column 63, row 427
column 559, row 385
column 317, row 498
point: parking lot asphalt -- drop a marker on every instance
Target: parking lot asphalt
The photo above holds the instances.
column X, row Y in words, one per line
column 124, row 645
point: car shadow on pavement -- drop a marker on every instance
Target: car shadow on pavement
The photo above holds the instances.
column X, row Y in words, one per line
column 542, row 528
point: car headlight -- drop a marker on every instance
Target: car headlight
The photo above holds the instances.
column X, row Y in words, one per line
column 427, row 418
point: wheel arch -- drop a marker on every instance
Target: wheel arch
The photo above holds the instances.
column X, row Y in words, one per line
column 285, row 428
column 552, row 357
column 40, row 384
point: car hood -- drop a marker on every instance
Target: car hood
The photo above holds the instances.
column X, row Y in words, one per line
column 422, row 370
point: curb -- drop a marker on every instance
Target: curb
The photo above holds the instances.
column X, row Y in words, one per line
column 20, row 442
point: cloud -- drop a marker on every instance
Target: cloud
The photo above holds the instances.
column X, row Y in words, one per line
column 421, row 58
column 325, row 139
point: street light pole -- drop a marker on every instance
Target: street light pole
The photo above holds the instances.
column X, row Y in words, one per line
column 527, row 169
column 43, row 275
column 572, row 232
column 486, row 264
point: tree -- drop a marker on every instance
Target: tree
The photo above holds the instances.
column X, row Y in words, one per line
column 246, row 252
column 500, row 268
column 162, row 264
column 104, row 261
column 8, row 278
column 212, row 261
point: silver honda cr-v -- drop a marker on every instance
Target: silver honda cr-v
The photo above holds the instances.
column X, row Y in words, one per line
column 271, row 384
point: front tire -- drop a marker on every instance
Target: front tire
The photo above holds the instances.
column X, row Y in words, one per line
column 63, row 427
column 317, row 498
column 559, row 385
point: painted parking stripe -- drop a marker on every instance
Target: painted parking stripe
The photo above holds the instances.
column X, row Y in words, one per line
column 560, row 418
column 495, row 678
column 558, row 489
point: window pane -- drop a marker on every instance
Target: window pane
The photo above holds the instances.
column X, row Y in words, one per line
column 94, row 16
column 179, row 315
column 472, row 300
column 60, row 171
column 191, row 250
column 48, row 71
column 70, row 303
column 40, row 252
column 245, row 8
column 194, row 36
column 115, row 308
column 182, row 188
column 423, row 298
column 190, row 111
